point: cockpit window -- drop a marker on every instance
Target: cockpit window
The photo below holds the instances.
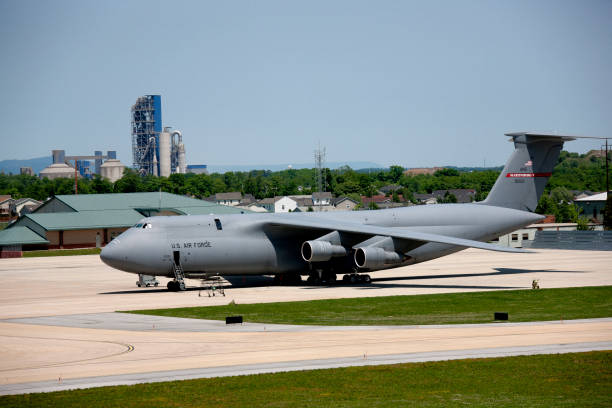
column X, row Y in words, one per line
column 142, row 225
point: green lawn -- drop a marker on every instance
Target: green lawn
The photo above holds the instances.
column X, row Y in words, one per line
column 564, row 380
column 61, row 252
column 473, row 307
column 3, row 225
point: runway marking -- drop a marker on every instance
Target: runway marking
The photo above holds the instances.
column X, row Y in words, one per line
column 128, row 349
column 335, row 342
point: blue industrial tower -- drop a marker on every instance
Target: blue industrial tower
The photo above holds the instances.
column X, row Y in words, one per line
column 146, row 127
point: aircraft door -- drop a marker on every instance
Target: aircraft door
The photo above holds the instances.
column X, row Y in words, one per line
column 177, row 257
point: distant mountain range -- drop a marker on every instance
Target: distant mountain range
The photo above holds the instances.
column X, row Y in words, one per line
column 39, row 163
column 13, row 166
column 277, row 167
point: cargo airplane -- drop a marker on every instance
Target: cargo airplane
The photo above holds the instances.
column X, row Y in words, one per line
column 324, row 244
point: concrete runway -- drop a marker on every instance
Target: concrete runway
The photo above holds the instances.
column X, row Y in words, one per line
column 56, row 331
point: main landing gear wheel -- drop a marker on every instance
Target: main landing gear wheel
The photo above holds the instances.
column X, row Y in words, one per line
column 356, row 278
column 288, row 279
column 173, row 286
column 328, row 277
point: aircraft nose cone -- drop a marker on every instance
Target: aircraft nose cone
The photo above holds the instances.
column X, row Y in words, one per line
column 113, row 255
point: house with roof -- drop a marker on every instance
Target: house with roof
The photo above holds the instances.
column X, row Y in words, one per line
column 278, row 204
column 304, row 203
column 376, row 199
column 344, row 203
column 88, row 220
column 231, row 198
column 24, row 206
column 463, row 195
column 321, row 198
column 5, row 204
column 425, row 198
column 593, row 206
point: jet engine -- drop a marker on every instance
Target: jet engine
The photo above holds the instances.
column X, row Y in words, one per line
column 321, row 251
column 375, row 257
column 324, row 248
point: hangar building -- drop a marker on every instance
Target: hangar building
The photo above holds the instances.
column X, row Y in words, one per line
column 93, row 220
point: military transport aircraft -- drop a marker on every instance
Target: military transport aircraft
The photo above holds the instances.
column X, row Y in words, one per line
column 323, row 244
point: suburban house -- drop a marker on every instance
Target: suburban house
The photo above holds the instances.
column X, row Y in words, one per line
column 231, row 199
column 344, row 204
column 24, row 206
column 5, row 204
column 463, row 195
column 321, row 198
column 425, row 198
column 593, row 206
column 278, row 204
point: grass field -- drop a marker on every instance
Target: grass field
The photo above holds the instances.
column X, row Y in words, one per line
column 564, row 380
column 3, row 225
column 474, row 307
column 61, row 252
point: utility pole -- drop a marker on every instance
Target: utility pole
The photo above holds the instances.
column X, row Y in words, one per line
column 607, row 221
column 607, row 172
column 76, row 178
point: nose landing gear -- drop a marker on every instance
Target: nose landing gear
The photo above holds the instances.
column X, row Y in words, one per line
column 174, row 286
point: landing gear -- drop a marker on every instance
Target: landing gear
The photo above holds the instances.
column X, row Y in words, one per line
column 320, row 277
column 173, row 286
column 288, row 279
column 328, row 277
column 356, row 278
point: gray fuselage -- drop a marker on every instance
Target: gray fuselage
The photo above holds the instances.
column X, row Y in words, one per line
column 251, row 244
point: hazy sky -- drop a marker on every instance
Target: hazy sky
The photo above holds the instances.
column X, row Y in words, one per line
column 394, row 82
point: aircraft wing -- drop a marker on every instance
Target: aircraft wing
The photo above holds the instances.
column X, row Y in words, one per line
column 373, row 230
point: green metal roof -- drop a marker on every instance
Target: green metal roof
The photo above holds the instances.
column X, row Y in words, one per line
column 20, row 236
column 121, row 201
column 108, row 218
column 214, row 209
column 86, row 219
column 95, row 211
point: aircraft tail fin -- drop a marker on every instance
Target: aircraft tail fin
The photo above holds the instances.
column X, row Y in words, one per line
column 522, row 181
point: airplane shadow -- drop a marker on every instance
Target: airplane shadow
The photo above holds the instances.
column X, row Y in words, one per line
column 499, row 271
column 377, row 283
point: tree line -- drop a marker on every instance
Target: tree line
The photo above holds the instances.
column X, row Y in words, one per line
column 572, row 172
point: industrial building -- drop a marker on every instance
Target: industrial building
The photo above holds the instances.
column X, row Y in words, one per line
column 197, row 168
column 156, row 150
column 111, row 169
column 93, row 220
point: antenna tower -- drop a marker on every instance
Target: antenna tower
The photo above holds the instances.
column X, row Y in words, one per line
column 319, row 156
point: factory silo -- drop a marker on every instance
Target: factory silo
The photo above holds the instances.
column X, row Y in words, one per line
column 164, row 153
column 112, row 169
column 181, row 158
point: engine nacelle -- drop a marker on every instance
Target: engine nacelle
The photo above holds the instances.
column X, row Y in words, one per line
column 321, row 251
column 375, row 257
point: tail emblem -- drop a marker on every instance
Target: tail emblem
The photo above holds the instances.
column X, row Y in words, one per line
column 528, row 175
